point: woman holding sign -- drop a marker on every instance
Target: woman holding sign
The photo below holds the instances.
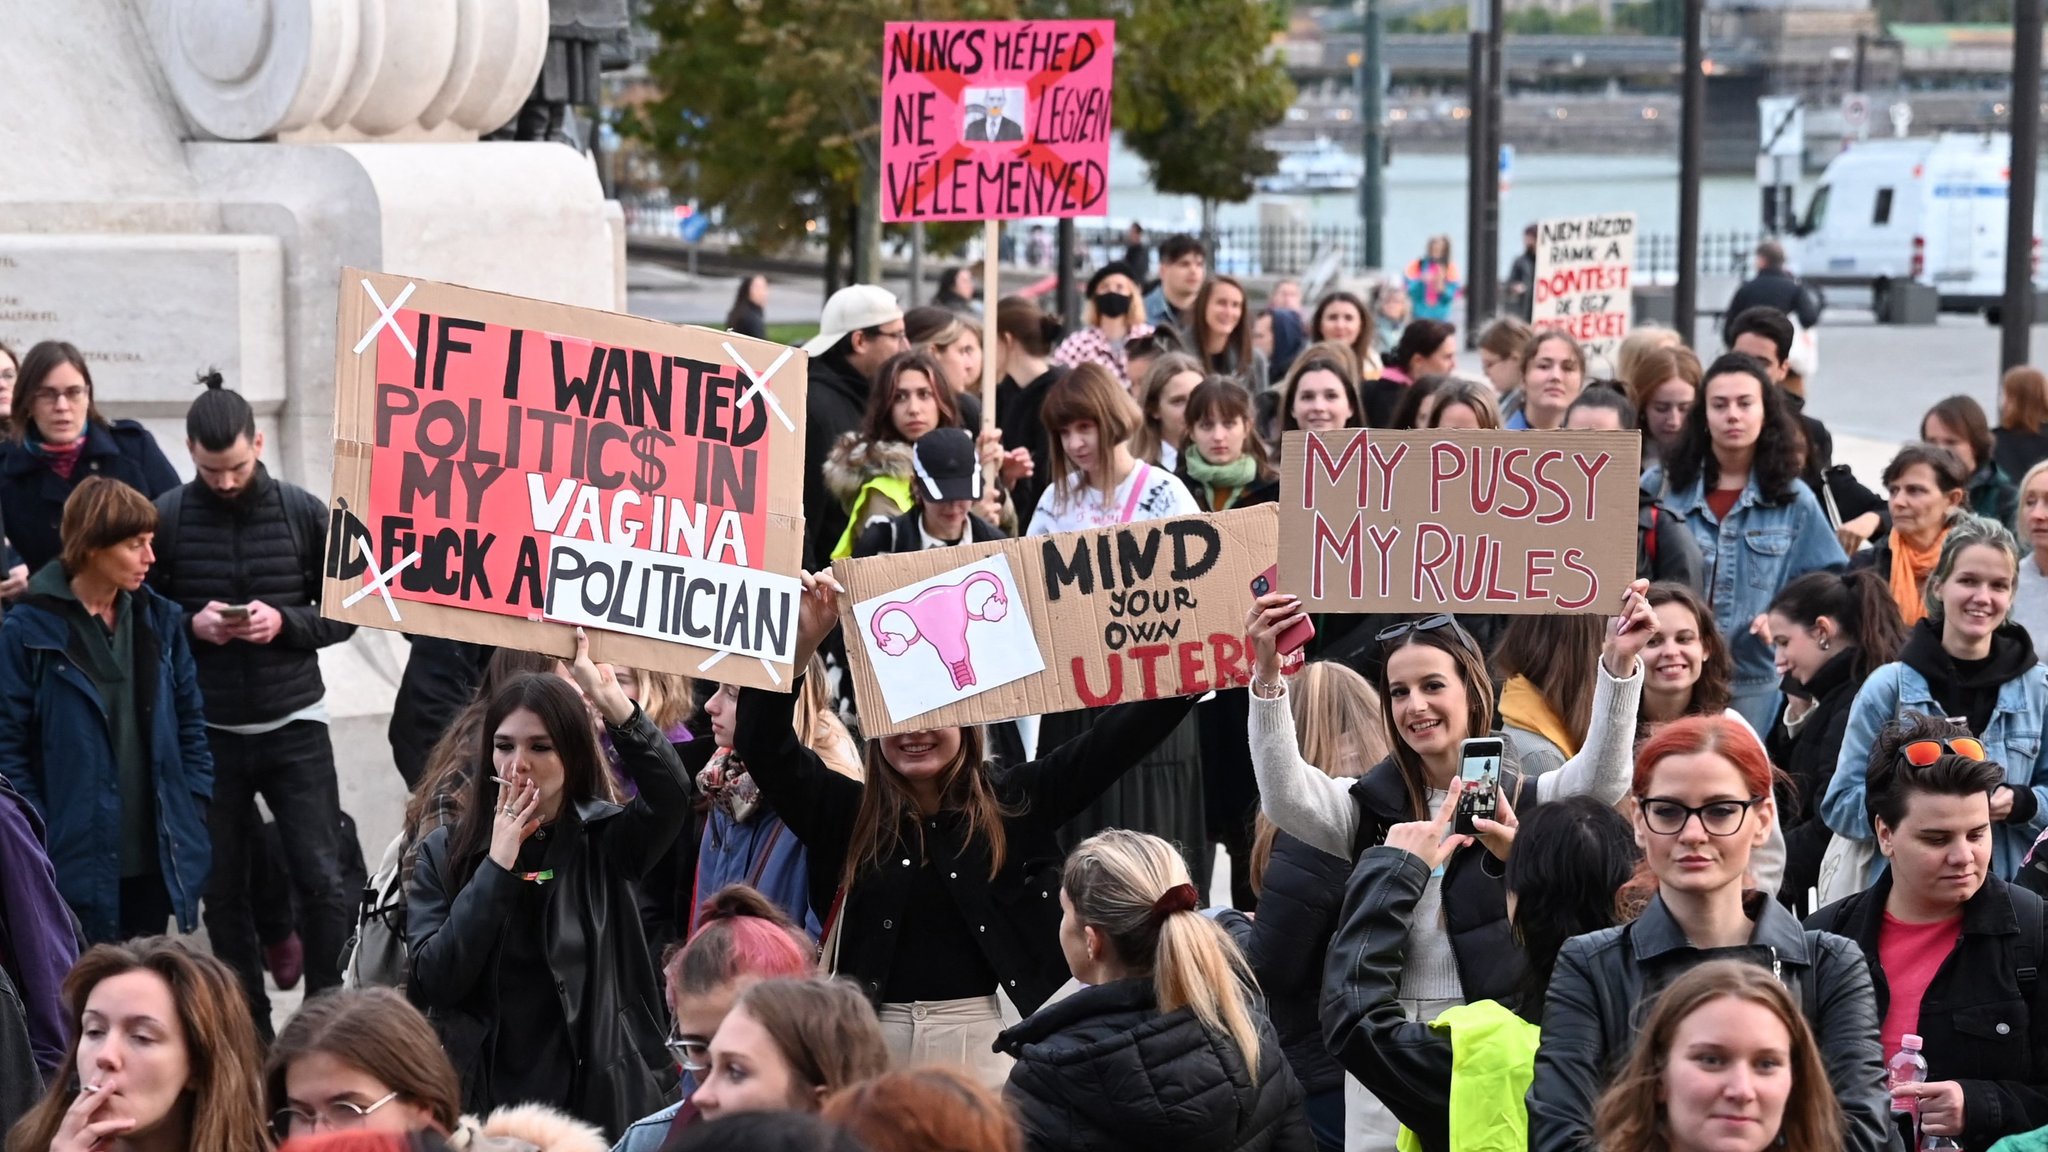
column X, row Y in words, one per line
column 1734, row 478
column 522, row 920
column 937, row 879
column 1434, row 693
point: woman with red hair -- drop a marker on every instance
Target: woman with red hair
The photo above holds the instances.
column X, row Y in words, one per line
column 741, row 938
column 1702, row 807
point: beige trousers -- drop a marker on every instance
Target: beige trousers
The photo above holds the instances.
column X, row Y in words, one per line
column 961, row 1033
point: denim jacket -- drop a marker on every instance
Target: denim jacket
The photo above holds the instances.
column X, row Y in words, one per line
column 1759, row 549
column 2012, row 740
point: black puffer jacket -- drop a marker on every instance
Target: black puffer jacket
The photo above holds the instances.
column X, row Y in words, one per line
column 266, row 545
column 1103, row 1069
column 32, row 495
column 1977, row 1017
column 1808, row 758
column 1606, row 982
column 1298, row 912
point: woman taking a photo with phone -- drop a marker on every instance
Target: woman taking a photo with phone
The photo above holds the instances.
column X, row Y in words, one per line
column 1435, row 694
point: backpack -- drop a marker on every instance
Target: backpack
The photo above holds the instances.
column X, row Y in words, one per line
column 375, row 957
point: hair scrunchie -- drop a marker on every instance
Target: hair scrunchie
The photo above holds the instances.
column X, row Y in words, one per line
column 1179, row 898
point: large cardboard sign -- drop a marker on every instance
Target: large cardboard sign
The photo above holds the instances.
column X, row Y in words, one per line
column 505, row 468
column 996, row 121
column 1585, row 272
column 1514, row 522
column 984, row 632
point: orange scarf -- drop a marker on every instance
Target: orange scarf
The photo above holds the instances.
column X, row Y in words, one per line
column 1910, row 568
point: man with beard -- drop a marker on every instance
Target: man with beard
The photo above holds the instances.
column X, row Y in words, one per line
column 241, row 552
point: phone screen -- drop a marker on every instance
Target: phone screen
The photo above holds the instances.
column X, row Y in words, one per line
column 1479, row 768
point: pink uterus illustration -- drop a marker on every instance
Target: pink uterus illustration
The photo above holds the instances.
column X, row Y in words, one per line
column 939, row 616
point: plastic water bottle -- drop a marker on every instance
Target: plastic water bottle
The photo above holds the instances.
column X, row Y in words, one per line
column 1907, row 1067
column 1940, row 1144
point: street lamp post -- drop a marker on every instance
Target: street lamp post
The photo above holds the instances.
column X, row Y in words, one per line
column 1372, row 194
column 2016, row 313
column 1691, row 128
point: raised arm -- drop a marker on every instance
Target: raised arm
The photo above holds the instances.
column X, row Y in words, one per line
column 1062, row 782
column 1303, row 802
column 641, row 834
column 1604, row 766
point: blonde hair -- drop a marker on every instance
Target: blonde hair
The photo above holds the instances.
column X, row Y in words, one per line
column 664, row 696
column 1337, row 722
column 1114, row 879
column 820, row 729
column 1642, row 340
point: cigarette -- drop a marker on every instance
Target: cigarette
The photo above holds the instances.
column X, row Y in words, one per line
column 88, row 1089
column 505, row 782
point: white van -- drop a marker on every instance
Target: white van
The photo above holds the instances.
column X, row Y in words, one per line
column 1929, row 209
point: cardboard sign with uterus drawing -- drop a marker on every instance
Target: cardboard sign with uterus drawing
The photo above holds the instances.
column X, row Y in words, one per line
column 983, row 632
column 949, row 637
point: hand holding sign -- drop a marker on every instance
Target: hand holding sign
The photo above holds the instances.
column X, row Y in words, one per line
column 1631, row 632
column 817, row 614
column 600, row 682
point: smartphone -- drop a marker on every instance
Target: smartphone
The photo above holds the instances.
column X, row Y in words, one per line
column 1480, row 770
column 1301, row 631
column 235, row 612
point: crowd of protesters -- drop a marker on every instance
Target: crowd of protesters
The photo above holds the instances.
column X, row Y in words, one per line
column 1761, row 870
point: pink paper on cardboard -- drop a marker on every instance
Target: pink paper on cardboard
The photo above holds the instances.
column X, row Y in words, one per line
column 996, row 120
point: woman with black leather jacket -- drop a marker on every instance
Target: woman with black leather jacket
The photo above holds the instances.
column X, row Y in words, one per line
column 1569, row 863
column 521, row 919
column 1830, row 631
column 1703, row 808
column 937, row 876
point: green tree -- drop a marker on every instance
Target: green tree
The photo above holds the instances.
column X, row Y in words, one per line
column 1196, row 91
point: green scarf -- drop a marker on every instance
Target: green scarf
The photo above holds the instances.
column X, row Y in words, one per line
column 1232, row 477
column 1236, row 474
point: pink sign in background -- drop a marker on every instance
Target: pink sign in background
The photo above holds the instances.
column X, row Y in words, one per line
column 996, row 121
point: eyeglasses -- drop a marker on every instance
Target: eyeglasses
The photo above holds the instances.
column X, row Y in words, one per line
column 340, row 1116
column 1922, row 753
column 1427, row 624
column 692, row 1052
column 900, row 335
column 49, row 397
column 1720, row 818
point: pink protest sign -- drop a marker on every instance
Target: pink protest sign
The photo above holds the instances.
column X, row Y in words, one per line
column 996, row 121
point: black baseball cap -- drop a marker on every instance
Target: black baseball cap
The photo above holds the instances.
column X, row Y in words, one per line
column 947, row 466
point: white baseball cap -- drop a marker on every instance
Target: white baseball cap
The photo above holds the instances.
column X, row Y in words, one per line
column 851, row 309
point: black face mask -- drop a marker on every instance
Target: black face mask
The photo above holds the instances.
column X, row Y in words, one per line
column 1112, row 304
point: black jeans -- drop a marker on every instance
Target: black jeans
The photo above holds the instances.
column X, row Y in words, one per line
column 293, row 769
column 145, row 906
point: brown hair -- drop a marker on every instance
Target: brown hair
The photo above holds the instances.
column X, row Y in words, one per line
column 100, row 513
column 1505, row 338
column 1337, row 723
column 1361, row 348
column 1641, row 340
column 1966, row 417
column 1472, row 394
column 825, row 1028
column 220, row 1044
column 1716, row 685
column 886, row 804
column 1630, row 1117
column 1146, row 394
column 932, row 1108
column 1115, row 879
column 1548, row 335
column 1237, row 347
column 1560, row 657
column 666, row 697
column 1223, row 399
column 879, row 424
column 1033, row 328
column 1089, row 393
column 1453, row 640
column 379, row 1033
column 1323, row 356
column 1946, row 466
column 2022, row 399
column 33, row 371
